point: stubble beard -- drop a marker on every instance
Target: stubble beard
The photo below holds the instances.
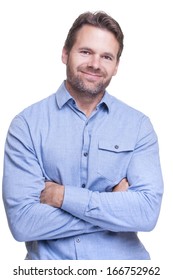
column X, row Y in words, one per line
column 80, row 86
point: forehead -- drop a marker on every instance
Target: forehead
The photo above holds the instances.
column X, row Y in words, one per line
column 94, row 37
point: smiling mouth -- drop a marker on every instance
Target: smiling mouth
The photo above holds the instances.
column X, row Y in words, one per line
column 91, row 75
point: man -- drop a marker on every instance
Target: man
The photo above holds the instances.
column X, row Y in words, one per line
column 81, row 169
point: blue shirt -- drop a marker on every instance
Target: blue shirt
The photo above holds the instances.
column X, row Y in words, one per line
column 53, row 140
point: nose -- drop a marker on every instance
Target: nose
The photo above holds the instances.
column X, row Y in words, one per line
column 94, row 61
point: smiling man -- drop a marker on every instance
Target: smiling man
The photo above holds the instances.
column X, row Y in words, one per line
column 81, row 169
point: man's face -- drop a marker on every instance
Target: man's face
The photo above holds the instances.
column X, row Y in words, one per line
column 92, row 61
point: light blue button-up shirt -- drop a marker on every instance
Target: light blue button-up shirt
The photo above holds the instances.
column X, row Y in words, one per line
column 53, row 140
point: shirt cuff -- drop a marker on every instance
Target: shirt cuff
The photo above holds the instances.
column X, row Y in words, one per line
column 76, row 200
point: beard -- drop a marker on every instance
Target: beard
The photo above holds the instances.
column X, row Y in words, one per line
column 90, row 88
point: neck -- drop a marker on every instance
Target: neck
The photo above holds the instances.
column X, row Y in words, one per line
column 86, row 103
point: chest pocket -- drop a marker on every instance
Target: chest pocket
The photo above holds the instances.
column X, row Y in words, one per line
column 113, row 159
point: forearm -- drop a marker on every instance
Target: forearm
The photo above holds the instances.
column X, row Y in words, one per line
column 31, row 220
column 43, row 222
column 120, row 211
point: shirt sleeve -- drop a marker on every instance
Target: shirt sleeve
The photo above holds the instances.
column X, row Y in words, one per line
column 23, row 182
column 134, row 210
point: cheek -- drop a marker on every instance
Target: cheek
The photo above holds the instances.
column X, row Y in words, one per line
column 111, row 73
column 110, row 69
column 72, row 63
column 115, row 69
column 114, row 72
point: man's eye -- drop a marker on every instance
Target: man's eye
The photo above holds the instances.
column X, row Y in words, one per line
column 85, row 52
column 107, row 57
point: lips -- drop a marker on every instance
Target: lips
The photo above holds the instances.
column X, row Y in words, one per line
column 90, row 71
column 91, row 74
column 91, row 77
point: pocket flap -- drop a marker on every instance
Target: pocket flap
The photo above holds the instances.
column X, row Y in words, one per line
column 114, row 146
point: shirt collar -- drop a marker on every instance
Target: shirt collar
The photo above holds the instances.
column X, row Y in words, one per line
column 63, row 96
column 106, row 100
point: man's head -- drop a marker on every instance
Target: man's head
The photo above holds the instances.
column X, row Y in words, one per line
column 97, row 19
column 91, row 53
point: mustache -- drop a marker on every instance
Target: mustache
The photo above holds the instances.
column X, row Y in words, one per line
column 91, row 69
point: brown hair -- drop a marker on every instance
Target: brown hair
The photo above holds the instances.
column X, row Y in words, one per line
column 97, row 19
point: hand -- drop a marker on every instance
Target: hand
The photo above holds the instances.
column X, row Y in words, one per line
column 122, row 186
column 53, row 194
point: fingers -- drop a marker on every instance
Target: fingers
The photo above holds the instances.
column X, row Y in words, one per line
column 53, row 194
column 122, row 186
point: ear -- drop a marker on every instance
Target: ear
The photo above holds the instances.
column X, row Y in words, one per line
column 116, row 68
column 64, row 55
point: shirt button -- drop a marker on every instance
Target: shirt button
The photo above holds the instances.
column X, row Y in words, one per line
column 85, row 154
column 78, row 240
column 116, row 147
column 83, row 185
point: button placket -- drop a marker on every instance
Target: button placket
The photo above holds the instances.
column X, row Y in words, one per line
column 84, row 159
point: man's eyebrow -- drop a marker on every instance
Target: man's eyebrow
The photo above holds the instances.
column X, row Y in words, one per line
column 86, row 49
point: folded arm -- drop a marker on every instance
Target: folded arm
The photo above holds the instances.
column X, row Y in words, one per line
column 53, row 193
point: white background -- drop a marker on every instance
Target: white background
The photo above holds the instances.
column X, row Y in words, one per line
column 32, row 34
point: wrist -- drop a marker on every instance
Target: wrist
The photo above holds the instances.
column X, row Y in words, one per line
column 60, row 195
